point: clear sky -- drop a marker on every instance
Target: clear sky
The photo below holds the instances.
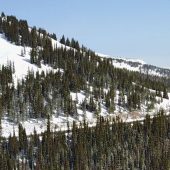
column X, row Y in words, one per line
column 126, row 28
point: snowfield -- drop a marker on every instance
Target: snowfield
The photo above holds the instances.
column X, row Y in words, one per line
column 119, row 58
column 10, row 53
column 61, row 122
column 137, row 65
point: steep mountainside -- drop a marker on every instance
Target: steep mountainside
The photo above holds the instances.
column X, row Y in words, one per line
column 43, row 77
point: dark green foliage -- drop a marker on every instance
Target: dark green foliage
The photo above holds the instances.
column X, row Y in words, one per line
column 109, row 145
column 63, row 41
column 24, row 32
column 165, row 94
column 41, row 94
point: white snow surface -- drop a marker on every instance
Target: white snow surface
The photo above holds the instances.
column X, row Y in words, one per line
column 125, row 59
column 123, row 64
column 12, row 53
column 59, row 122
column 79, row 97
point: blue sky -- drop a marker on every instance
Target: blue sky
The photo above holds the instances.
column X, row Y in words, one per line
column 126, row 28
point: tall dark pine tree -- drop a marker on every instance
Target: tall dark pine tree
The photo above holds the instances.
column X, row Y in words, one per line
column 33, row 38
column 165, row 94
column 24, row 32
column 63, row 41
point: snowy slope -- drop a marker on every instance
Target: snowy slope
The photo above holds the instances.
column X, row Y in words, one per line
column 137, row 65
column 12, row 53
column 119, row 58
column 60, row 122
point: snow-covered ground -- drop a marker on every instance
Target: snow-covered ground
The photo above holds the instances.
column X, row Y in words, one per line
column 138, row 66
column 120, row 58
column 12, row 53
column 61, row 122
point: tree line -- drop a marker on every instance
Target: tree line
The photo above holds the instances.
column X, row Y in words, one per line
column 111, row 144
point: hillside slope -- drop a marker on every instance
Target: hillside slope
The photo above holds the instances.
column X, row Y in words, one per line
column 68, row 83
column 137, row 65
column 12, row 53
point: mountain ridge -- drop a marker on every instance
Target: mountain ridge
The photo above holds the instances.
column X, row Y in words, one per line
column 71, row 83
column 129, row 64
column 138, row 65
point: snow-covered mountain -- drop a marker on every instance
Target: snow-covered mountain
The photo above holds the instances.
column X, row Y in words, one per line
column 137, row 65
column 10, row 52
column 20, row 57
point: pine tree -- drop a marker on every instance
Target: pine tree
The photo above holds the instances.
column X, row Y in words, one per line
column 62, row 40
column 165, row 94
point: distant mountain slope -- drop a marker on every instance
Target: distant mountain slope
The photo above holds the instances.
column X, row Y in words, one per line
column 138, row 65
column 13, row 53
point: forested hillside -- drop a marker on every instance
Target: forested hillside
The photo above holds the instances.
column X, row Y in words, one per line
column 70, row 87
column 79, row 85
column 111, row 145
